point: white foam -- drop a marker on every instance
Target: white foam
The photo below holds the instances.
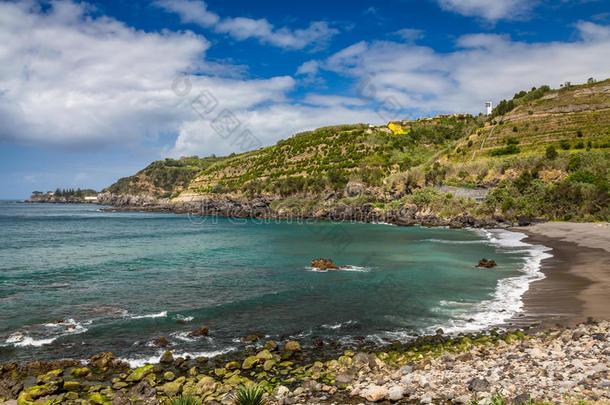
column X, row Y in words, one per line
column 183, row 318
column 158, row 315
column 28, row 341
column 345, row 268
column 507, row 298
column 337, row 325
column 455, row 242
column 154, row 359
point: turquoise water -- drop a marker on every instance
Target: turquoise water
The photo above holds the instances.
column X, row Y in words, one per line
column 122, row 279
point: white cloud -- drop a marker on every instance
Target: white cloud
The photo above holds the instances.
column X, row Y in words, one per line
column 190, row 11
column 73, row 81
column 483, row 66
column 410, row 34
column 491, row 10
column 318, row 33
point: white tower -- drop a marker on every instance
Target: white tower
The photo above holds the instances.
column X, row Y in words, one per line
column 488, row 107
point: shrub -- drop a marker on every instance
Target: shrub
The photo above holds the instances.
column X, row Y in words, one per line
column 565, row 144
column 507, row 150
column 249, row 395
column 551, row 153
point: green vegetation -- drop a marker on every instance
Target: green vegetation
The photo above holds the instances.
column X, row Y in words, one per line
column 545, row 155
column 184, row 400
column 251, row 394
column 70, row 192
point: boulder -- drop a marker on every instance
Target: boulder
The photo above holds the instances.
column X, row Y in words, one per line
column 395, row 393
column 250, row 362
column 271, row 346
column 167, row 358
column 173, row 388
column 324, row 264
column 142, row 390
column 486, row 263
column 478, row 384
column 292, row 346
column 202, row 331
column 161, row 342
column 102, row 361
column 375, row 393
column 343, row 379
column 10, row 388
column 139, row 373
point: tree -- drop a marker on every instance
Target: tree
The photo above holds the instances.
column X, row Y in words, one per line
column 551, row 152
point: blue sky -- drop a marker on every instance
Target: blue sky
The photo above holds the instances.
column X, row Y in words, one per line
column 93, row 91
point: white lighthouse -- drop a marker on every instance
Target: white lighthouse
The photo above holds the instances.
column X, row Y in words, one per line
column 488, row 107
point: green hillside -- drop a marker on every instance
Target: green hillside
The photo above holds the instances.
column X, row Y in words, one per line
column 544, row 153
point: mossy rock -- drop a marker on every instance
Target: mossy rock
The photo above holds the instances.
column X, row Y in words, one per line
column 271, row 346
column 264, row 355
column 52, row 376
column 169, row 376
column 250, row 362
column 173, row 388
column 232, row 365
column 220, row 372
column 80, row 372
column 139, row 373
column 292, row 346
column 97, row 399
column 72, row 386
column 269, row 364
column 36, row 391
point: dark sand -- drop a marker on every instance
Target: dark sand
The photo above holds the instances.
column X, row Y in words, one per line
column 577, row 282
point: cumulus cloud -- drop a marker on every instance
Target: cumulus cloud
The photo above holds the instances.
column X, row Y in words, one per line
column 482, row 66
column 318, row 33
column 71, row 80
column 490, row 10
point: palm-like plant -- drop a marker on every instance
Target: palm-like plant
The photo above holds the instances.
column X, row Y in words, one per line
column 251, row 394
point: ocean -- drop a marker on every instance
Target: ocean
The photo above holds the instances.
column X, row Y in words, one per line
column 75, row 281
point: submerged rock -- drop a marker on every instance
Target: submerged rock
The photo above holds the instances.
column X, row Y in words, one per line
column 486, row 263
column 161, row 342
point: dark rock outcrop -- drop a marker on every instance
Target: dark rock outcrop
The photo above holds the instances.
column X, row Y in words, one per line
column 324, row 264
column 486, row 263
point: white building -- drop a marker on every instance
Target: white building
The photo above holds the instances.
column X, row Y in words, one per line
column 488, row 107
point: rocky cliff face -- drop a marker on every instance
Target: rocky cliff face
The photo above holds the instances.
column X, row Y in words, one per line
column 261, row 207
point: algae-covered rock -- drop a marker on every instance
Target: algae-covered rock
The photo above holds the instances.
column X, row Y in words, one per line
column 202, row 331
column 269, row 364
column 171, row 389
column 51, row 376
column 271, row 346
column 97, row 398
column 166, row 358
column 292, row 346
column 250, row 362
column 80, row 372
column 220, row 372
column 139, row 373
column 72, row 386
column 34, row 392
column 264, row 355
column 169, row 376
column 232, row 365
column 102, row 361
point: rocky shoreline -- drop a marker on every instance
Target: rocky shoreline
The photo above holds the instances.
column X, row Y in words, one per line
column 560, row 365
column 261, row 208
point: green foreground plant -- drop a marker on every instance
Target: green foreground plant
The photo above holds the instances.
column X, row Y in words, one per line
column 184, row 400
column 251, row 394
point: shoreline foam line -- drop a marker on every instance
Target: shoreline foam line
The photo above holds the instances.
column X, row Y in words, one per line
column 507, row 299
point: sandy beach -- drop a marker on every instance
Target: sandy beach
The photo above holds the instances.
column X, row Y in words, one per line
column 577, row 283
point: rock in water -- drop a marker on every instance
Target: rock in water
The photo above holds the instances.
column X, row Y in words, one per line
column 323, row 264
column 202, row 331
column 487, row 263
